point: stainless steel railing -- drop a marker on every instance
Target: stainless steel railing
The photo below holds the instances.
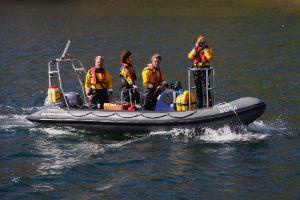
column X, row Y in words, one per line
column 54, row 68
column 209, row 84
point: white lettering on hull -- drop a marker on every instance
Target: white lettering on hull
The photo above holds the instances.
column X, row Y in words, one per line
column 226, row 107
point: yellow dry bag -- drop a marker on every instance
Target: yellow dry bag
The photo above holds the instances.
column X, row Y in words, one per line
column 54, row 94
column 182, row 101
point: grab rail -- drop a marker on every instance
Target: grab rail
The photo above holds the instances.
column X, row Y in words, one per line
column 54, row 68
column 130, row 95
column 209, row 84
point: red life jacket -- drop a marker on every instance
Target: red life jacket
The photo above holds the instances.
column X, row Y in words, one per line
column 200, row 57
column 94, row 76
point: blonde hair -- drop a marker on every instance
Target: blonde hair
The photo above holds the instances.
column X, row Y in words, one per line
column 99, row 58
column 156, row 56
column 201, row 38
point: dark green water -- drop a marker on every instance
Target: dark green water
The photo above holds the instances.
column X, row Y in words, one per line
column 256, row 46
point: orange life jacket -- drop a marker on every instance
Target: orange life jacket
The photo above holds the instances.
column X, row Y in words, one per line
column 153, row 72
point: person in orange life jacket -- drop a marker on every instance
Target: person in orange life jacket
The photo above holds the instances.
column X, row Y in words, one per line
column 98, row 84
column 128, row 78
column 153, row 81
column 202, row 55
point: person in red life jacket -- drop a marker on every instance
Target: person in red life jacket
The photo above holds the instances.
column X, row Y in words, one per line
column 153, row 81
column 128, row 78
column 201, row 54
column 98, row 84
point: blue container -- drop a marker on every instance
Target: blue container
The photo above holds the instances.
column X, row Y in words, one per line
column 166, row 101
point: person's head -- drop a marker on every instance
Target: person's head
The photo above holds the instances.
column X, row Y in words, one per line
column 126, row 57
column 155, row 60
column 200, row 41
column 99, row 61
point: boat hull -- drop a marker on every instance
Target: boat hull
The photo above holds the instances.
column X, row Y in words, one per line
column 240, row 111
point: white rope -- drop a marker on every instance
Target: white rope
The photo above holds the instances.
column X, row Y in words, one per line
column 237, row 117
column 231, row 108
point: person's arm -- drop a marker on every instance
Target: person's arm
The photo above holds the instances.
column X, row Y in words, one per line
column 87, row 85
column 192, row 54
column 208, row 53
column 88, row 90
column 163, row 82
column 109, row 86
column 109, row 82
column 146, row 79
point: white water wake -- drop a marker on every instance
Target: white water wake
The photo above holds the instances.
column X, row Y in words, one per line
column 227, row 135
column 12, row 118
column 275, row 126
column 11, row 122
column 256, row 131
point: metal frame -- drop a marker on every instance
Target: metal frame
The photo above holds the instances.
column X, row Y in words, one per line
column 209, row 84
column 130, row 95
column 54, row 68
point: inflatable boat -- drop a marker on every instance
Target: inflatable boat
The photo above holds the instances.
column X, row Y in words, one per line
column 73, row 111
column 241, row 111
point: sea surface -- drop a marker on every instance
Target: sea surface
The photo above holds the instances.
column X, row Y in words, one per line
column 256, row 53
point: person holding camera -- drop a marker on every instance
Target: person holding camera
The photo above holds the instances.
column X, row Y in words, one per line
column 98, row 84
column 201, row 54
column 153, row 81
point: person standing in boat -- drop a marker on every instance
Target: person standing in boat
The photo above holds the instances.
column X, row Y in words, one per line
column 98, row 84
column 153, row 81
column 202, row 55
column 128, row 78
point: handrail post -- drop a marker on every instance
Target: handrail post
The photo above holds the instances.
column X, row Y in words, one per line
column 122, row 97
column 80, row 82
column 206, row 87
column 49, row 75
column 209, row 84
column 213, row 84
column 189, row 85
column 66, row 50
column 60, row 85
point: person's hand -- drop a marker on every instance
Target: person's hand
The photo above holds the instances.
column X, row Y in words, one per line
column 88, row 91
column 90, row 97
column 150, row 86
column 135, row 86
column 198, row 47
column 164, row 84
